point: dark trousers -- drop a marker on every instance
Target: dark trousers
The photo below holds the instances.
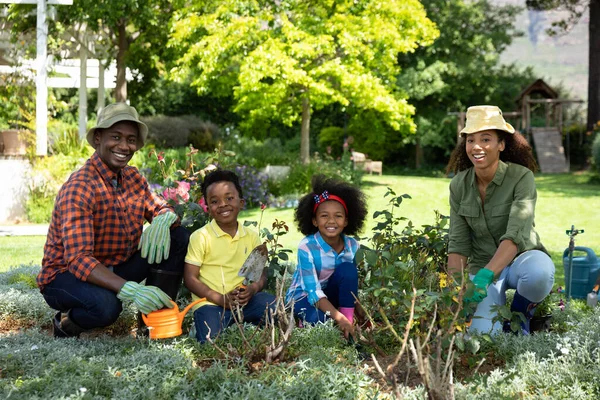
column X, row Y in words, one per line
column 92, row 306
column 341, row 288
column 217, row 318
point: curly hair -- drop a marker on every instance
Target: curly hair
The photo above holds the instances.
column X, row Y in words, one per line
column 353, row 197
column 516, row 150
column 221, row 175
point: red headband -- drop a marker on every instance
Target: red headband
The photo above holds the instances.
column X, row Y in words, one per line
column 323, row 197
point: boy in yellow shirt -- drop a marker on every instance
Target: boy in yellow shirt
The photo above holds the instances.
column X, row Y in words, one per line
column 215, row 254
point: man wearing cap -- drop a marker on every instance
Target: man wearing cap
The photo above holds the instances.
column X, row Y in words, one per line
column 97, row 252
column 492, row 230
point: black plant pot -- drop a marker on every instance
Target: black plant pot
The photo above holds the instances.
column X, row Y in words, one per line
column 540, row 323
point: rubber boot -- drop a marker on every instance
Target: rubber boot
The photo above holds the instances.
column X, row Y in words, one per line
column 525, row 307
column 63, row 326
column 169, row 282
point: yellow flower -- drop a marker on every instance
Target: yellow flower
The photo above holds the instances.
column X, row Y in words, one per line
column 443, row 280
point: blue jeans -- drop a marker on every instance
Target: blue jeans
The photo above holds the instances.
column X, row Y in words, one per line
column 92, row 306
column 340, row 290
column 531, row 274
column 217, row 318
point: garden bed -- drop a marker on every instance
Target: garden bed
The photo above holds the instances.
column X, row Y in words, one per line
column 111, row 363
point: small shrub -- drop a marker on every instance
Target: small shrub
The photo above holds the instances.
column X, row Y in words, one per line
column 254, row 185
column 173, row 132
column 204, row 136
column 330, row 141
column 259, row 154
column 596, row 153
column 47, row 176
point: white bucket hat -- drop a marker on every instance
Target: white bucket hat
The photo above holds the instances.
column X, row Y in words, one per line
column 482, row 118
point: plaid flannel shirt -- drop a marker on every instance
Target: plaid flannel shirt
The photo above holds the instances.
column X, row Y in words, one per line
column 316, row 263
column 94, row 222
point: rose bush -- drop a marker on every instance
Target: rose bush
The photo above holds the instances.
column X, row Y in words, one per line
column 182, row 186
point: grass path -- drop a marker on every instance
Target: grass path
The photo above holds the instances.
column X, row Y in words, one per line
column 563, row 200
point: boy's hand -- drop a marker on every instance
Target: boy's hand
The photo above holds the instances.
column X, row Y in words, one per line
column 245, row 294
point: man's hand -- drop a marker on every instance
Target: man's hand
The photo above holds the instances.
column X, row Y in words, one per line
column 146, row 298
column 156, row 239
column 481, row 280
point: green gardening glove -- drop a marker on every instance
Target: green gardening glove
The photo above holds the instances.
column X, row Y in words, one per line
column 481, row 280
column 156, row 239
column 146, row 298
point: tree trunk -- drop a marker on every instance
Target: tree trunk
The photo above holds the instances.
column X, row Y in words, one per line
column 418, row 154
column 305, row 132
column 594, row 66
column 123, row 48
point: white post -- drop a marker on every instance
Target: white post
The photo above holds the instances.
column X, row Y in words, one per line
column 83, row 55
column 41, row 93
column 101, row 95
column 41, row 64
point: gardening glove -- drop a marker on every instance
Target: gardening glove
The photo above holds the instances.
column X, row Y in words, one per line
column 481, row 280
column 146, row 298
column 156, row 239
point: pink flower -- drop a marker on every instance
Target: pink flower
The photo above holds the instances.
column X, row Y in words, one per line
column 182, row 191
column 559, row 289
column 263, row 206
column 561, row 305
column 202, row 204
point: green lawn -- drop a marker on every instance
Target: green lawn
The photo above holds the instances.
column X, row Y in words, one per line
column 563, row 200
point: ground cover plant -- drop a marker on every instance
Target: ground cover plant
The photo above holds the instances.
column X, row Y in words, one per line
column 416, row 348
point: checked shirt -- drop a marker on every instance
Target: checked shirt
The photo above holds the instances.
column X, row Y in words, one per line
column 316, row 263
column 98, row 218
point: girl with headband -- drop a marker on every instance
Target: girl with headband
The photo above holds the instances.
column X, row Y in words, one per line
column 325, row 283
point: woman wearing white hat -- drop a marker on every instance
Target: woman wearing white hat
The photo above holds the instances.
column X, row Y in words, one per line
column 492, row 209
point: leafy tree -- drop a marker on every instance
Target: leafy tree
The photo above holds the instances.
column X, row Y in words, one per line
column 461, row 68
column 284, row 59
column 576, row 9
column 132, row 32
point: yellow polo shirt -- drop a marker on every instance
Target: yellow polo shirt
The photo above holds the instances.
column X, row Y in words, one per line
column 220, row 256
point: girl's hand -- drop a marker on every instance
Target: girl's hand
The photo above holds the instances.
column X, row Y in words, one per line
column 345, row 326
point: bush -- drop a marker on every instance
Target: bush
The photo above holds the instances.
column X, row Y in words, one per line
column 64, row 139
column 298, row 181
column 173, row 132
column 250, row 151
column 331, row 138
column 48, row 175
column 596, row 153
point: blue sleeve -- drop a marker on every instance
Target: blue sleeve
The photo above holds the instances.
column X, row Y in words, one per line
column 309, row 281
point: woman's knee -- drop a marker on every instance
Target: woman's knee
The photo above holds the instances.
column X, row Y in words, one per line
column 537, row 279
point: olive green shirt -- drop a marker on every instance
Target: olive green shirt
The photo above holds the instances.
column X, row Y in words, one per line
column 476, row 228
